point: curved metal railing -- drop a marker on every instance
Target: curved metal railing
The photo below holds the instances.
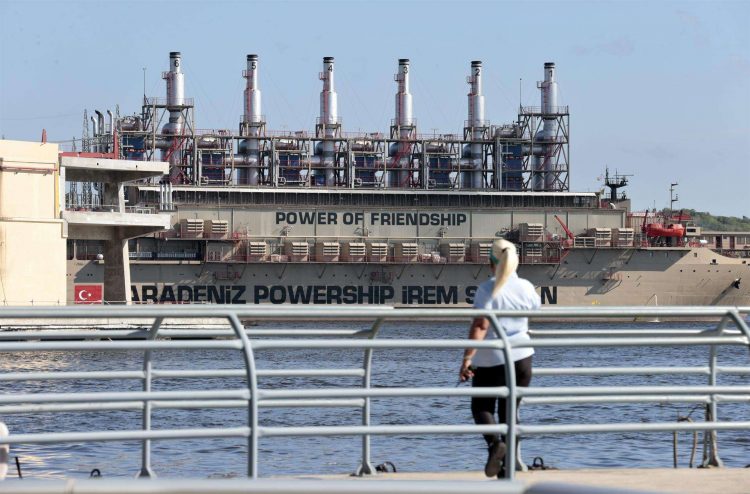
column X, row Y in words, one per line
column 732, row 329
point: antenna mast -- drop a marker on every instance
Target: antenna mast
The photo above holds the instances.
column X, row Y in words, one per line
column 615, row 182
column 85, row 144
column 673, row 198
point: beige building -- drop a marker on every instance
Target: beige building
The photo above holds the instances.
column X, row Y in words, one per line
column 32, row 235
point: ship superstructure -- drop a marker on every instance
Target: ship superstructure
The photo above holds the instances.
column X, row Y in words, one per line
column 528, row 154
column 401, row 217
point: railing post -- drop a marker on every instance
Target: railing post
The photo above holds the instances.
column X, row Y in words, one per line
column 365, row 467
column 252, row 383
column 146, row 445
column 510, row 403
column 737, row 319
column 710, row 438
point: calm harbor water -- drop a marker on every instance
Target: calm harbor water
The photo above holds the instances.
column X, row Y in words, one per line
column 295, row 455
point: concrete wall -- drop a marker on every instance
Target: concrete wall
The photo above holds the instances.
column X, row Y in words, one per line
column 32, row 241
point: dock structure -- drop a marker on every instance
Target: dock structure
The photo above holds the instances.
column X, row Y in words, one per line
column 111, row 220
column 37, row 218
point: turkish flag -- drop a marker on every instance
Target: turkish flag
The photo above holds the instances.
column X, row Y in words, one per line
column 88, row 294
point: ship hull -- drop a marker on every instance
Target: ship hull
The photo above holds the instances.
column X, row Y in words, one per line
column 585, row 277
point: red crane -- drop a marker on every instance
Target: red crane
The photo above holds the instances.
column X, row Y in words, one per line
column 571, row 237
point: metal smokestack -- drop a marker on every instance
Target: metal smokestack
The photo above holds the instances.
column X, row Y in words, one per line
column 549, row 94
column 544, row 178
column 476, row 122
column 404, row 120
column 95, row 131
column 175, row 80
column 329, row 111
column 329, row 117
column 476, row 98
column 252, row 93
column 404, row 116
column 100, row 121
column 253, row 118
column 175, row 94
column 175, row 101
column 99, row 131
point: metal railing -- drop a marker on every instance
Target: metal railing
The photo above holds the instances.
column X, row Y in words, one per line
column 732, row 329
column 97, row 207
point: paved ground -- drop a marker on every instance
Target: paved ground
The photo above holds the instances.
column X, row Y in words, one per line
column 666, row 480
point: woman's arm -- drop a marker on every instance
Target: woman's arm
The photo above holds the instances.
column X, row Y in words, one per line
column 477, row 331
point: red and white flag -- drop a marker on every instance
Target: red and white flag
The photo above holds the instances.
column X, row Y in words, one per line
column 88, row 294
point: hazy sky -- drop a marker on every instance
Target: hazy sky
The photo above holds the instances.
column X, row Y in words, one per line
column 660, row 90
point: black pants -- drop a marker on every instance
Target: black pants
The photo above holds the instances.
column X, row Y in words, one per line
column 483, row 409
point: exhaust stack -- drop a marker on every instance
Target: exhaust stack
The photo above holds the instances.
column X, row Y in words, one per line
column 544, row 176
column 329, row 118
column 252, row 93
column 95, row 132
column 252, row 121
column 404, row 121
column 549, row 98
column 475, row 121
column 175, row 100
column 329, row 111
column 476, row 98
column 175, row 80
column 175, row 94
column 404, row 116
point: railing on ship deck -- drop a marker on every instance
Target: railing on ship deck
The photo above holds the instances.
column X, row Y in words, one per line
column 732, row 329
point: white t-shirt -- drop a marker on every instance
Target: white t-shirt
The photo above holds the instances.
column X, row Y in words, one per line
column 516, row 294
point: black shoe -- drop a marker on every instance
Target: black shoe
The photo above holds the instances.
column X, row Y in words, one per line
column 495, row 455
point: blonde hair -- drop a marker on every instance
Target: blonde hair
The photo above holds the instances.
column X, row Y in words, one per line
column 505, row 259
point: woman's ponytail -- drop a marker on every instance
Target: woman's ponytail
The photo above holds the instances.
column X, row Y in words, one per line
column 505, row 258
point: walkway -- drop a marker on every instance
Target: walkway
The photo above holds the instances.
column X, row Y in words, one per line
column 666, row 480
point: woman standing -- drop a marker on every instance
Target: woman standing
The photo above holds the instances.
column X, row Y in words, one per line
column 486, row 367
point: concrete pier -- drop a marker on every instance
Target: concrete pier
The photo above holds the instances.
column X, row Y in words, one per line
column 662, row 480
column 110, row 221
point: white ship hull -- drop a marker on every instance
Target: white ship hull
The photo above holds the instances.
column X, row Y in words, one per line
column 604, row 276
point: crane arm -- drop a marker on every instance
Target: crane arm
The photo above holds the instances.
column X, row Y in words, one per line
column 565, row 227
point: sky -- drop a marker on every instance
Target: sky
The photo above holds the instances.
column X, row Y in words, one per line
column 658, row 90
